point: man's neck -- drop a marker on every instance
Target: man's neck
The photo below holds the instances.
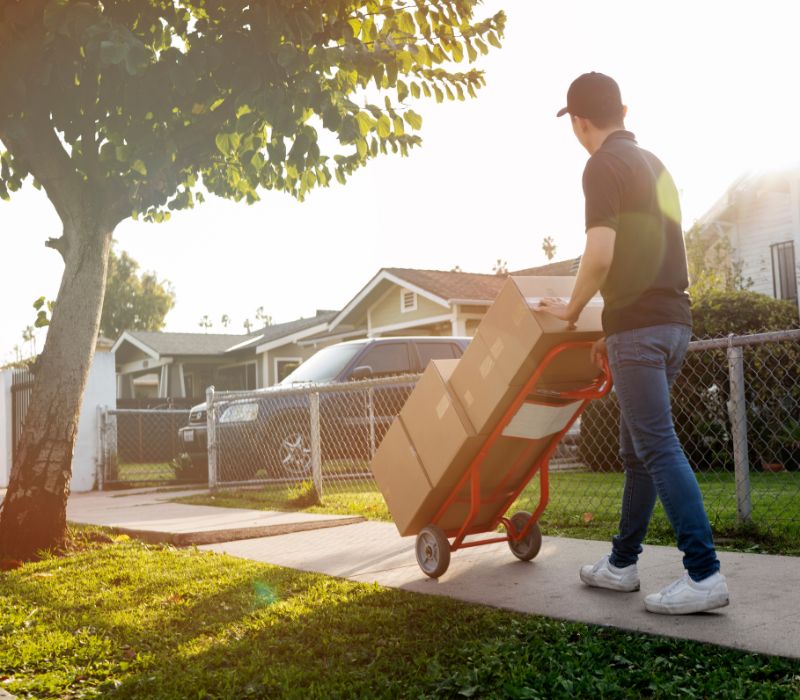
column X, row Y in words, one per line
column 598, row 137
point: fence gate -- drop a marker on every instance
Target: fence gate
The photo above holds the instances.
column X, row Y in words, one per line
column 21, row 390
column 141, row 446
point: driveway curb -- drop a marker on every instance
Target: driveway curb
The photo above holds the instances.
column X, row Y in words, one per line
column 187, row 539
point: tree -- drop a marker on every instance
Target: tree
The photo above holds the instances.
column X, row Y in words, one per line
column 126, row 108
column 205, row 323
column 225, row 320
column 712, row 268
column 133, row 301
column 500, row 267
column 262, row 317
column 549, row 247
column 29, row 336
column 248, row 325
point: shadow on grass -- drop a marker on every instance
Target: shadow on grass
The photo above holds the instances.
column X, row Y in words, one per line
column 134, row 622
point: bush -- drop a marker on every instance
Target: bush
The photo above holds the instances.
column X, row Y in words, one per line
column 701, row 392
column 719, row 313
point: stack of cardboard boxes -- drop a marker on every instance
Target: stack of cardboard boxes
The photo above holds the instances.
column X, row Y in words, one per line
column 457, row 404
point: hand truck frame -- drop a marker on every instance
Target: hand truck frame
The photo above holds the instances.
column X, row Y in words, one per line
column 433, row 546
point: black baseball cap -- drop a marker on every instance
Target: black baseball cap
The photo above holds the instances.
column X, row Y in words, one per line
column 592, row 96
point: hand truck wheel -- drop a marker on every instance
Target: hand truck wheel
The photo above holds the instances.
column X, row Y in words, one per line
column 433, row 551
column 528, row 547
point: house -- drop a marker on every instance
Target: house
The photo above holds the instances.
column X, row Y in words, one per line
column 759, row 217
column 160, row 365
column 396, row 301
column 403, row 301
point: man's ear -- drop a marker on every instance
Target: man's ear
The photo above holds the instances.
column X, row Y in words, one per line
column 624, row 111
column 581, row 124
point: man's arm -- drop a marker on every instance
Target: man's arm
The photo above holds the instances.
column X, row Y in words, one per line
column 595, row 264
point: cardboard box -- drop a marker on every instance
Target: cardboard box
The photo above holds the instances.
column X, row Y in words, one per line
column 438, row 426
column 511, row 341
column 401, row 479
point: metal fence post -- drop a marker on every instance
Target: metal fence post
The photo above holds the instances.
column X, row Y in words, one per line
column 737, row 412
column 316, row 445
column 371, row 407
column 101, row 445
column 211, row 437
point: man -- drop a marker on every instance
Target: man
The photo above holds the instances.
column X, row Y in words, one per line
column 635, row 256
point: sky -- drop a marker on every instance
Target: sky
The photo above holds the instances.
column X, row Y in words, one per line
column 711, row 88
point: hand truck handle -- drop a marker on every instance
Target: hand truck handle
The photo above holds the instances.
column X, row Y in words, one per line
column 598, row 388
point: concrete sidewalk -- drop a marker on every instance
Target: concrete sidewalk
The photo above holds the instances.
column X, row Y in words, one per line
column 764, row 615
column 150, row 516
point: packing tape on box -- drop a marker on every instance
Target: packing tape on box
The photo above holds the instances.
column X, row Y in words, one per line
column 497, row 348
column 486, row 366
column 469, row 399
column 442, row 406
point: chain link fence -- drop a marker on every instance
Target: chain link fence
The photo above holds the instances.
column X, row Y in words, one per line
column 736, row 406
column 141, row 446
column 323, row 435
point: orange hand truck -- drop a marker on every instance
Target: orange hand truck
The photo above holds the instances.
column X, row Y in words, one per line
column 524, row 537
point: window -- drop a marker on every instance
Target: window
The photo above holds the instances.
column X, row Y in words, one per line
column 387, row 359
column 784, row 275
column 408, row 301
column 237, row 378
column 284, row 367
column 325, row 365
column 436, row 351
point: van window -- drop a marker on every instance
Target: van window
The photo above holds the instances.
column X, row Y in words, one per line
column 437, row 351
column 387, row 359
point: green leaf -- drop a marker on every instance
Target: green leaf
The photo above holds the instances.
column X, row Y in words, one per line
column 365, row 123
column 139, row 167
column 402, row 90
column 384, row 126
column 413, row 119
column 227, row 143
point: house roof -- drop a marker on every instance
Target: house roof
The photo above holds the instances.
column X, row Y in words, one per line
column 562, row 268
column 184, row 343
column 160, row 344
column 451, row 286
column 280, row 331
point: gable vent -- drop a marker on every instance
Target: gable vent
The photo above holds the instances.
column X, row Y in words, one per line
column 408, row 301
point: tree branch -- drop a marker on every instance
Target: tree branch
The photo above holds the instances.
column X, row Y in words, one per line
column 32, row 139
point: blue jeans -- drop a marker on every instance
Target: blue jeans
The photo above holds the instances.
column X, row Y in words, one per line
column 644, row 363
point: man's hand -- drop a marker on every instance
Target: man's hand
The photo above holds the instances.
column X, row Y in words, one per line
column 599, row 352
column 555, row 306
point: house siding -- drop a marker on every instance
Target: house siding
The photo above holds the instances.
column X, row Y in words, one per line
column 763, row 221
column 386, row 311
column 285, row 351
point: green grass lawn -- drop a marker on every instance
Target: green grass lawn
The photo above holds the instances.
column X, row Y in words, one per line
column 581, row 504
column 127, row 620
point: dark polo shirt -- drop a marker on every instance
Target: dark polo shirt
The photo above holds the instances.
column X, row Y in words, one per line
column 629, row 189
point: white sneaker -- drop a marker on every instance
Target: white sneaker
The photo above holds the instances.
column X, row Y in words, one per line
column 606, row 575
column 685, row 596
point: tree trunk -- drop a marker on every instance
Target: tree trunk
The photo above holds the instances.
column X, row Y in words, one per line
column 33, row 516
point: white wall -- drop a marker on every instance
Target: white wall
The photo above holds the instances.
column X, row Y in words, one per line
column 100, row 391
column 5, row 427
